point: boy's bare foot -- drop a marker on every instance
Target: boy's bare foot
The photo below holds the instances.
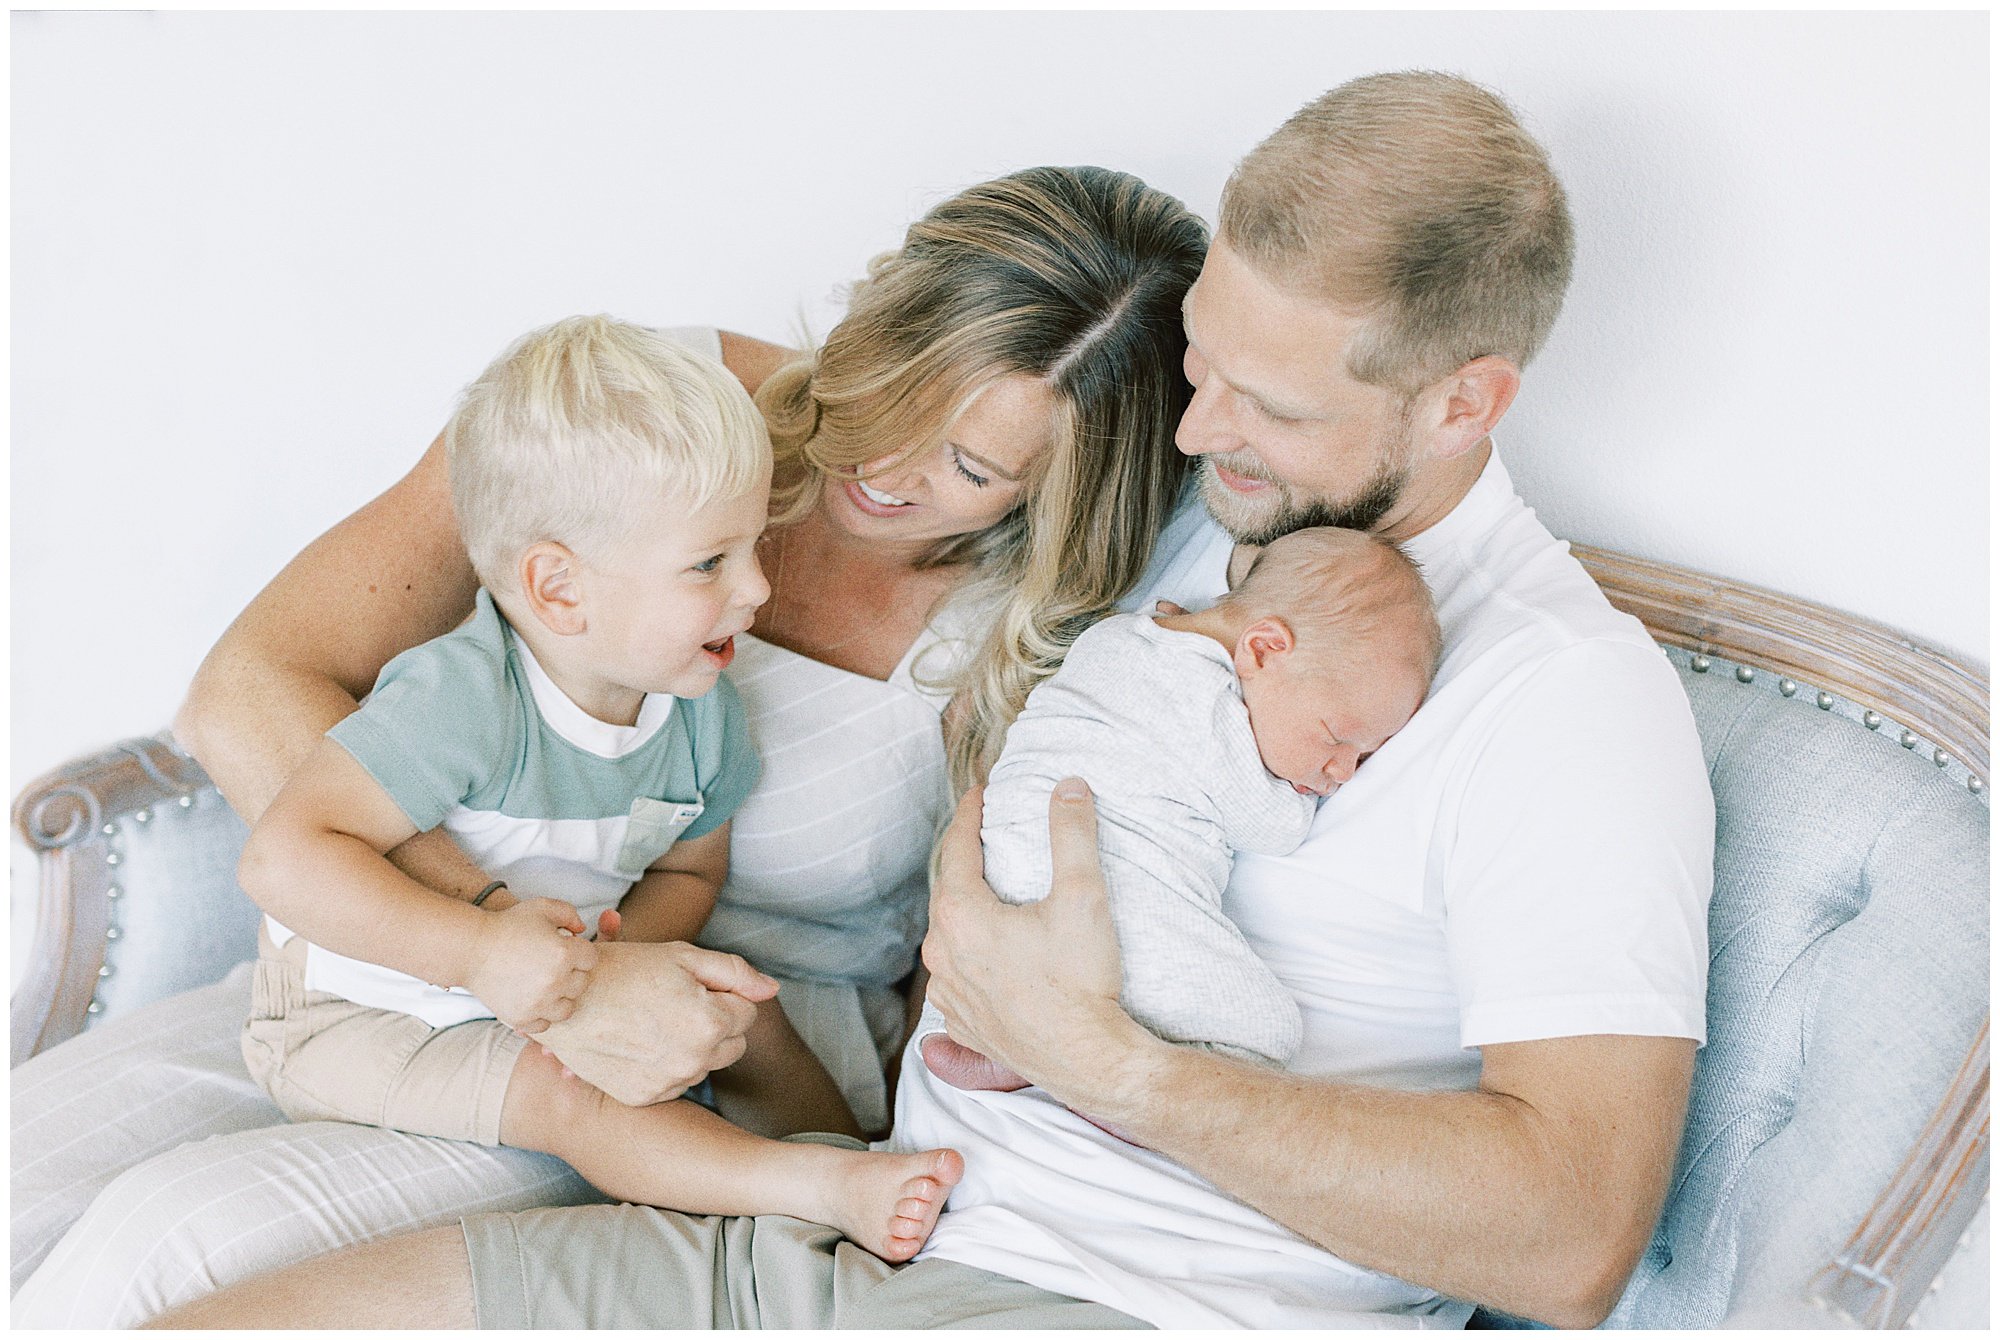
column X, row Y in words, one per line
column 889, row 1203
column 963, row 1068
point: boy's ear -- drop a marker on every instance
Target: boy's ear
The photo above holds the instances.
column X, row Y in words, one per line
column 1262, row 642
column 552, row 587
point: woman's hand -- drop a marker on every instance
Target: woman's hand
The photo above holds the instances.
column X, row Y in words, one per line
column 1034, row 987
column 656, row 1018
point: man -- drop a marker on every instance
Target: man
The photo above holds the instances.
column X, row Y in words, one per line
column 1496, row 931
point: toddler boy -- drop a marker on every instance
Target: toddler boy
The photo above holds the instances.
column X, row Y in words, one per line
column 1201, row 735
column 575, row 738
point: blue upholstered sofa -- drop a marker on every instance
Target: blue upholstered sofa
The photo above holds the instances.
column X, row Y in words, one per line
column 1834, row 1168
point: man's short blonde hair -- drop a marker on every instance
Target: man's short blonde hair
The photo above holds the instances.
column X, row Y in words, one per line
column 573, row 421
column 1346, row 595
column 1416, row 199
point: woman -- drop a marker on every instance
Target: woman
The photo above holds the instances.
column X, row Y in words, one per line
column 971, row 468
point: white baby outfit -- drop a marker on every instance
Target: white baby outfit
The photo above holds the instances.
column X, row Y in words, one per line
column 1153, row 719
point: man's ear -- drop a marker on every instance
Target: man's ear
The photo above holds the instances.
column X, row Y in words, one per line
column 552, row 587
column 1470, row 402
column 1268, row 639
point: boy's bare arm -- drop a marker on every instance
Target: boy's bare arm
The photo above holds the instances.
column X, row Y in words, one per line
column 675, row 897
column 314, row 862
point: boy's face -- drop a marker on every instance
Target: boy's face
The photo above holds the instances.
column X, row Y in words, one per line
column 664, row 605
column 1317, row 718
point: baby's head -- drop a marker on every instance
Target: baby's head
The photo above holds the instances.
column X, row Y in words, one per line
column 610, row 486
column 1337, row 647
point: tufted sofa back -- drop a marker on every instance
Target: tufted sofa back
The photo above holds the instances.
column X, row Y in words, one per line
column 1848, row 978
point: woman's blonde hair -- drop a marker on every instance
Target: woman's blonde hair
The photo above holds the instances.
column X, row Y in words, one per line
column 559, row 433
column 1073, row 276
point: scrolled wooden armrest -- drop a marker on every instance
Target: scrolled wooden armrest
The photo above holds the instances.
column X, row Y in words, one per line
column 68, row 817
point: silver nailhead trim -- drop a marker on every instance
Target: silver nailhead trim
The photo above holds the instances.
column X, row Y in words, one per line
column 1872, row 720
column 143, row 816
column 1826, row 702
column 1939, row 757
column 1788, row 687
column 1974, row 785
column 187, row 802
column 1745, row 674
column 93, row 1008
column 1699, row 664
column 1909, row 739
column 113, row 858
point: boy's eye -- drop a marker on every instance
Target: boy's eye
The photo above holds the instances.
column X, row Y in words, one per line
column 709, row 564
column 958, row 463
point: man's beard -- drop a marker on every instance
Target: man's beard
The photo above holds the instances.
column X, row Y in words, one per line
column 1255, row 524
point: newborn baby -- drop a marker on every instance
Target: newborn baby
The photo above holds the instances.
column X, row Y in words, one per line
column 1200, row 735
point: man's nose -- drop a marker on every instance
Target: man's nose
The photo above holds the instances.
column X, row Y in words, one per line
column 1204, row 427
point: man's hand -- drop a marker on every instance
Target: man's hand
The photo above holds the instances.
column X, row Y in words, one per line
column 657, row 1018
column 1034, row 987
column 530, row 964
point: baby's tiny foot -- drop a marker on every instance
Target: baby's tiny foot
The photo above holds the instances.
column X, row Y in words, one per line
column 892, row 1201
column 963, row 1068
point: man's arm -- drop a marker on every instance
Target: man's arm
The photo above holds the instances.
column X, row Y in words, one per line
column 1534, row 1193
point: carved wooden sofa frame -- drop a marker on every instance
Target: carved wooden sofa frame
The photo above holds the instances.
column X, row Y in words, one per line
column 95, row 820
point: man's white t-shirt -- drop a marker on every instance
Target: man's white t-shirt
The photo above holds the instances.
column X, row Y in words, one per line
column 1529, row 858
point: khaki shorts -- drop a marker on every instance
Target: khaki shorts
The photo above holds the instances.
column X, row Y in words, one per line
column 323, row 1058
column 629, row 1267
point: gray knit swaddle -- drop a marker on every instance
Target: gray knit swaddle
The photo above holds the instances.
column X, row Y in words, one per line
column 1154, row 720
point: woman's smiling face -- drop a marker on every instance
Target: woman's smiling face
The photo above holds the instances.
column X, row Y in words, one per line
column 973, row 478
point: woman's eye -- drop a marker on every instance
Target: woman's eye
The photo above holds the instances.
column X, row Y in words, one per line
column 708, row 564
column 977, row 481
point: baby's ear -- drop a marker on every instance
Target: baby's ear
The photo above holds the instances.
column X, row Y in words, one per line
column 1267, row 639
column 552, row 587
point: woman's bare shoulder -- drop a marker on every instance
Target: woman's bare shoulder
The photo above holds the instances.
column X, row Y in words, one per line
column 752, row 359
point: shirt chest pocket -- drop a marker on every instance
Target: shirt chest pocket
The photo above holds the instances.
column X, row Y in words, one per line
column 651, row 829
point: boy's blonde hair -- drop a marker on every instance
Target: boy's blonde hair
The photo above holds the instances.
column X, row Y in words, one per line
column 1342, row 591
column 574, row 420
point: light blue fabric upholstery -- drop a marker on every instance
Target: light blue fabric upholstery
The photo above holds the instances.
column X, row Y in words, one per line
column 179, row 919
column 1848, row 978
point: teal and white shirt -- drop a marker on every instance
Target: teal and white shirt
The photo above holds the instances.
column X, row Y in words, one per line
column 468, row 732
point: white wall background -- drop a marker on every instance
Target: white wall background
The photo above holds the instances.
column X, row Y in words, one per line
column 255, row 256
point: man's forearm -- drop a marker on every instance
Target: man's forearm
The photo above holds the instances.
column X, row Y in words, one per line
column 1480, row 1195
